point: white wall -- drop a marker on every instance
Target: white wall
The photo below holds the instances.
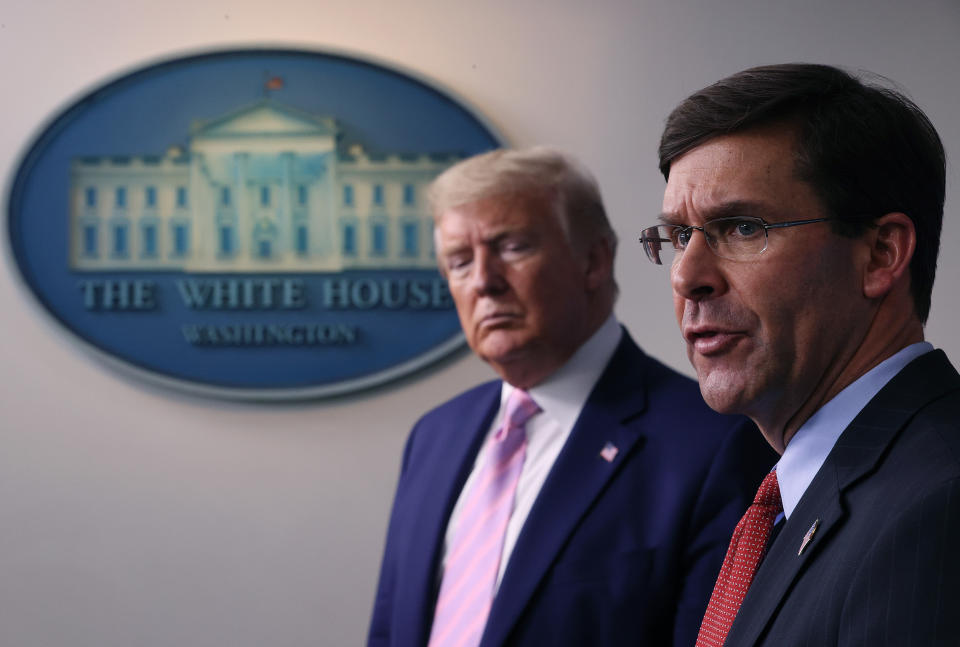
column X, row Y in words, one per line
column 130, row 515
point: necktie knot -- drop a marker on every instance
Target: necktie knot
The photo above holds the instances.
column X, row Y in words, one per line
column 520, row 408
column 768, row 495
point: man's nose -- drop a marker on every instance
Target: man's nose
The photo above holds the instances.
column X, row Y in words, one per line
column 695, row 272
column 487, row 276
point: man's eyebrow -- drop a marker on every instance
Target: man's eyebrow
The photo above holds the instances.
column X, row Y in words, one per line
column 497, row 237
column 740, row 208
column 723, row 210
column 494, row 238
column 446, row 246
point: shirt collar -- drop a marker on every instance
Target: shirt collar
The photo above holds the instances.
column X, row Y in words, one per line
column 563, row 394
column 809, row 447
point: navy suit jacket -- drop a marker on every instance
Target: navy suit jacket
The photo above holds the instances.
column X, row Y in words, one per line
column 883, row 565
column 612, row 553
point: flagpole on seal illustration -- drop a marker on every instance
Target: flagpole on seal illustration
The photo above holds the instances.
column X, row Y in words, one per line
column 271, row 83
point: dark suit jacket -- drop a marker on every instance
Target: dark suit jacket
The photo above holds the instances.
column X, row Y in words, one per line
column 883, row 567
column 612, row 553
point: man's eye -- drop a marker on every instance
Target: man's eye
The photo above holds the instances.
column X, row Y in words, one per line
column 514, row 247
column 746, row 228
column 733, row 230
column 454, row 263
column 680, row 237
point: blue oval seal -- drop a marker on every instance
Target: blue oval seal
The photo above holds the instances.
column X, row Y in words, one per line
column 247, row 223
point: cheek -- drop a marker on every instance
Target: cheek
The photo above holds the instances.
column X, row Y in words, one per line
column 678, row 304
column 462, row 302
column 678, row 300
column 541, row 292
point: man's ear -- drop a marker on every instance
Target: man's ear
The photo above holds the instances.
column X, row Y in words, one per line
column 892, row 243
column 599, row 266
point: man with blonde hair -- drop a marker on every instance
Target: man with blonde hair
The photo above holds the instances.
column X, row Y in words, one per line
column 584, row 498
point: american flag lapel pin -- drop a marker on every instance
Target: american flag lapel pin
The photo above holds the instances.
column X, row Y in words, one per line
column 807, row 538
column 609, row 452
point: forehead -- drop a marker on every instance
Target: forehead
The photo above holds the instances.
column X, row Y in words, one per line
column 495, row 214
column 753, row 167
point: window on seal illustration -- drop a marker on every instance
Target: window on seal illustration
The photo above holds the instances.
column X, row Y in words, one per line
column 225, row 235
column 90, row 197
column 263, row 235
column 301, row 239
column 302, row 195
column 148, row 235
column 224, row 196
column 150, row 197
column 90, row 239
column 181, row 197
column 181, row 238
column 120, row 196
column 348, row 195
column 409, row 197
column 349, row 239
column 378, row 195
column 121, row 241
column 410, row 234
column 378, row 238
column 264, row 196
column 264, row 247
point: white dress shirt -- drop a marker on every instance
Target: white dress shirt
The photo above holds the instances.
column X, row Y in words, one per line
column 809, row 447
column 561, row 397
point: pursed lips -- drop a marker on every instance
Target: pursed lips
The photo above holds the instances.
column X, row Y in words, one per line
column 712, row 340
column 497, row 318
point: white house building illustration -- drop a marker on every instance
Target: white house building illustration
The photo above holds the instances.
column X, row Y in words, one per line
column 262, row 189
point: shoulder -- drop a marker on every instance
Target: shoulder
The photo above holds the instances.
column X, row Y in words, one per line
column 929, row 445
column 675, row 420
column 941, row 421
column 924, row 401
column 632, row 364
column 673, row 400
column 910, row 468
column 475, row 400
column 470, row 409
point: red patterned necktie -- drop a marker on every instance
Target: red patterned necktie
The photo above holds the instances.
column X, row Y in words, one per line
column 740, row 565
column 473, row 562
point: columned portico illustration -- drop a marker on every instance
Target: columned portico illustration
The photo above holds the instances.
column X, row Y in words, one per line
column 266, row 188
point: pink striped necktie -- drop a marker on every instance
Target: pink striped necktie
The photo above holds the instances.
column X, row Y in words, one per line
column 473, row 561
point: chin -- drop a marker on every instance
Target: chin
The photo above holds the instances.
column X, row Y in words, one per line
column 501, row 344
column 721, row 394
column 501, row 356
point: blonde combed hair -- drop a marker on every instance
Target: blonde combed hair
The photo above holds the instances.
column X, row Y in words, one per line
column 540, row 170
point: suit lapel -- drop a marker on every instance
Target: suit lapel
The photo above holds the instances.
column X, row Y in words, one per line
column 453, row 458
column 858, row 450
column 577, row 478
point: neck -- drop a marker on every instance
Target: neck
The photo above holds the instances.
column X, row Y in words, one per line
column 886, row 336
column 535, row 366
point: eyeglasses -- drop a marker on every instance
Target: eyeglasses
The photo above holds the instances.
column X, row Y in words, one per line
column 737, row 238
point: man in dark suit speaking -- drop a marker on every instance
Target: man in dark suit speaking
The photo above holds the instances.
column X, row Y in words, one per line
column 801, row 223
column 588, row 497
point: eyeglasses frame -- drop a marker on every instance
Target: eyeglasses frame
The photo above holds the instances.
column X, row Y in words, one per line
column 767, row 226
